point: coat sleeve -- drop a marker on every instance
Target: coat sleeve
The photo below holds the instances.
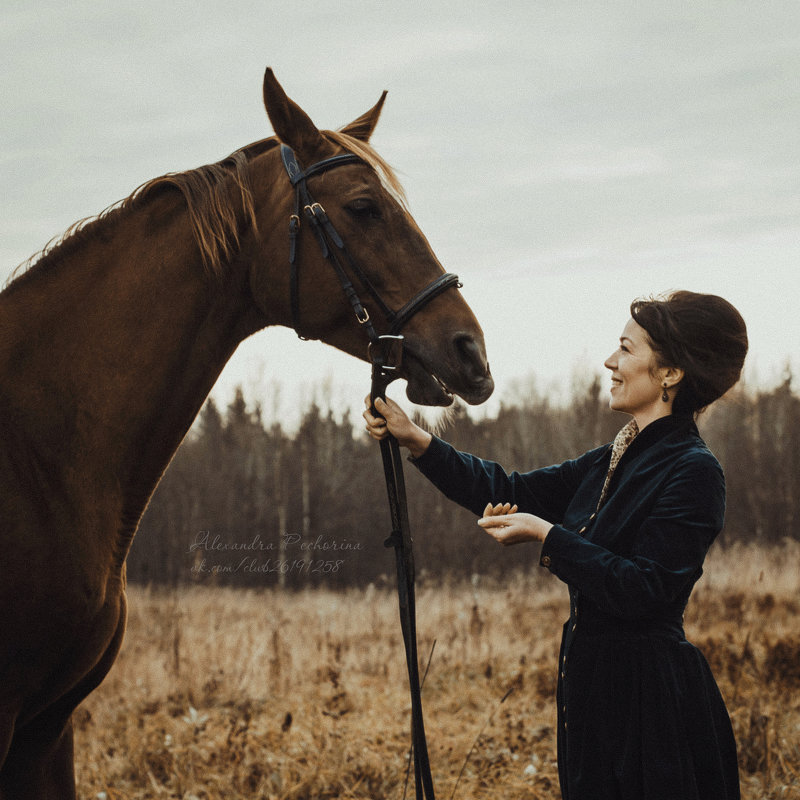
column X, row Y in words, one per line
column 669, row 547
column 473, row 482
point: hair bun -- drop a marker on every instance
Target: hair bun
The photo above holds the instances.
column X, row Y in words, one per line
column 702, row 334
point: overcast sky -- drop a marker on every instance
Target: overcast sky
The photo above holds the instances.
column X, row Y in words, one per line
column 561, row 157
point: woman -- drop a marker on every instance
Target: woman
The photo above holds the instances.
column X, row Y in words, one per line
column 627, row 527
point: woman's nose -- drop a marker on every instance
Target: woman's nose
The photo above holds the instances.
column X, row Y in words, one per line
column 611, row 362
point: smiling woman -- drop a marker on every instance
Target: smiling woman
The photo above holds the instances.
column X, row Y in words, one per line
column 638, row 387
column 626, row 526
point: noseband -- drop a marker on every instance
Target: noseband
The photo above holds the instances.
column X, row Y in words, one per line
column 333, row 249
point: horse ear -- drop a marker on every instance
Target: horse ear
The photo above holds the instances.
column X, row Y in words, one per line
column 363, row 127
column 291, row 124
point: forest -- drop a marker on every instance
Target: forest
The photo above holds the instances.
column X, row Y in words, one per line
column 248, row 504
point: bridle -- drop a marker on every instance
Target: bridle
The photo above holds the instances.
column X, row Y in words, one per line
column 333, row 249
column 385, row 353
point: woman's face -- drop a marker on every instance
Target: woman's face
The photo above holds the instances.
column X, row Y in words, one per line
column 635, row 389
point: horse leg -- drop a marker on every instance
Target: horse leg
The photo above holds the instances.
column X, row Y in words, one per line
column 6, row 735
column 40, row 760
column 39, row 765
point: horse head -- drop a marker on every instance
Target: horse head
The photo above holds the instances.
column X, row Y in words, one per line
column 388, row 260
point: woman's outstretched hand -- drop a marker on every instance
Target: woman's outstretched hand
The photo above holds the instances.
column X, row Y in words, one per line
column 502, row 521
column 508, row 526
column 394, row 420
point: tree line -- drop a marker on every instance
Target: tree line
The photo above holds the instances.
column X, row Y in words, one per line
column 246, row 503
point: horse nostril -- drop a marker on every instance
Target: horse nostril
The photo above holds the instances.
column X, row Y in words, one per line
column 472, row 357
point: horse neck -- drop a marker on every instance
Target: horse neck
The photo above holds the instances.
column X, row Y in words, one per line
column 110, row 352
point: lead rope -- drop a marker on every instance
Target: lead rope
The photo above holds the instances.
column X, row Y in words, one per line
column 400, row 539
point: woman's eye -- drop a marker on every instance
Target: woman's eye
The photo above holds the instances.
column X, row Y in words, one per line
column 364, row 207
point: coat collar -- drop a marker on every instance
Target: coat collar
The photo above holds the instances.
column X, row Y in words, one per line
column 656, row 431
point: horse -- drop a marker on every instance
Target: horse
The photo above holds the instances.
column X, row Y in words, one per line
column 110, row 341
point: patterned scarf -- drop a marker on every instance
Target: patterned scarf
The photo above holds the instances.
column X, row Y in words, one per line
column 621, row 443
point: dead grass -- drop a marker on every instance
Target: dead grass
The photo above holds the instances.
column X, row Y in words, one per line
column 232, row 694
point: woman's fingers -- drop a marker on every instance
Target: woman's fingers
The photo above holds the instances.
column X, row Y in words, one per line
column 500, row 509
column 505, row 528
column 390, row 418
column 398, row 424
column 495, row 521
column 499, row 527
column 515, row 527
column 376, row 426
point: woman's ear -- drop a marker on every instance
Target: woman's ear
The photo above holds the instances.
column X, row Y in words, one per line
column 672, row 376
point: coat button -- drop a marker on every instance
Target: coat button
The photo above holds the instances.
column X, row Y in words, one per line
column 546, row 561
column 582, row 530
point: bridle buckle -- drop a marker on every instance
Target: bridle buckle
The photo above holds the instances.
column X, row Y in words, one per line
column 387, row 351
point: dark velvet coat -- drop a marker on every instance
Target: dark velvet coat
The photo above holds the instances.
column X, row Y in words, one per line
column 639, row 714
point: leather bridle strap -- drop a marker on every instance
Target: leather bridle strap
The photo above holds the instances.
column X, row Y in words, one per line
column 333, row 249
column 324, row 232
column 421, row 299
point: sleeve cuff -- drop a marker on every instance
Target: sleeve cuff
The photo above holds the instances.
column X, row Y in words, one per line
column 545, row 558
column 555, row 540
column 432, row 454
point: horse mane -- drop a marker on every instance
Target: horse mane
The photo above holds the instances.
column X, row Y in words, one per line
column 214, row 210
column 367, row 153
column 211, row 204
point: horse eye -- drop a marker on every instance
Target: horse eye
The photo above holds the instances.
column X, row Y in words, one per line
column 364, row 207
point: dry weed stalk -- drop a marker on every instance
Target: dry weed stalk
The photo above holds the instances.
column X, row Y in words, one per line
column 243, row 694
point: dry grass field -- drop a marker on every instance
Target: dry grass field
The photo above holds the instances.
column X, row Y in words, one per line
column 232, row 694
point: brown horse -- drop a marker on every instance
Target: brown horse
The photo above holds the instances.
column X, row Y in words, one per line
column 109, row 345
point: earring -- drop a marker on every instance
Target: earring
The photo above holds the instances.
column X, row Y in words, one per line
column 665, row 396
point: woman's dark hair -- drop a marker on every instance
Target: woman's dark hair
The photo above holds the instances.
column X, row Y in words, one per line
column 702, row 334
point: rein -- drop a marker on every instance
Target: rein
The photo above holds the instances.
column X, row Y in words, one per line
column 385, row 353
column 385, row 362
